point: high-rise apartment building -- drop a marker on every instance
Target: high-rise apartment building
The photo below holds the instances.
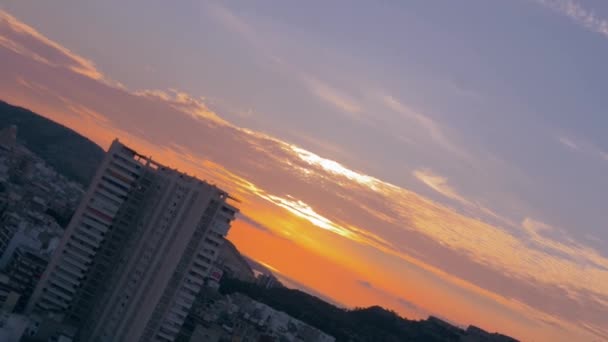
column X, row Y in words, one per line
column 136, row 252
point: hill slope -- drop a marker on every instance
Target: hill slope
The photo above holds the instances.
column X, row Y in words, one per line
column 373, row 324
column 70, row 153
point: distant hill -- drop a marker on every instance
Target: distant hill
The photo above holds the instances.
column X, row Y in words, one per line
column 257, row 267
column 68, row 152
column 373, row 324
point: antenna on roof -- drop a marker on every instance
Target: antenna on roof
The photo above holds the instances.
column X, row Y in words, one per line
column 235, row 199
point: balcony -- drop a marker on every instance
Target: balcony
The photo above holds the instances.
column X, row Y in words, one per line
column 127, row 174
column 119, row 177
column 58, row 293
column 98, row 205
column 127, row 164
column 164, row 335
column 69, row 269
column 73, row 265
column 86, row 238
column 92, row 234
column 104, row 193
column 95, row 225
column 80, row 247
column 196, row 280
column 66, row 277
column 53, row 301
column 186, row 296
column 116, row 190
column 63, row 284
column 192, row 286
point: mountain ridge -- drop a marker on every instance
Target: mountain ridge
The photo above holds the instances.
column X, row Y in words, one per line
column 68, row 152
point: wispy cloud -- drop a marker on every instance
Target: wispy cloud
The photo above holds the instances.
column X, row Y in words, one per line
column 331, row 95
column 365, row 283
column 440, row 184
column 355, row 101
column 306, row 212
column 426, row 122
column 432, row 127
column 321, row 89
column 569, row 143
column 579, row 14
column 183, row 102
column 333, row 167
column 557, row 241
column 31, row 41
column 583, row 146
column 235, row 24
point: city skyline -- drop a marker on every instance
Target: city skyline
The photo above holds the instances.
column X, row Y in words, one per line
column 472, row 189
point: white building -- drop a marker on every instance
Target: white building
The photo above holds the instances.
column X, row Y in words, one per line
column 136, row 252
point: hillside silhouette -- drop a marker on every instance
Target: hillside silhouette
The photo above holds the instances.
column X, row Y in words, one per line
column 373, row 324
column 68, row 152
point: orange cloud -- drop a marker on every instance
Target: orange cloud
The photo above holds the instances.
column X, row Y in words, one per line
column 58, row 55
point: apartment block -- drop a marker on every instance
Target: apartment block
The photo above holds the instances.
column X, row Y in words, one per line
column 136, row 252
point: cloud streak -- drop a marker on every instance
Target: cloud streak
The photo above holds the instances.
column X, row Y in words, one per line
column 579, row 14
column 440, row 184
column 25, row 40
column 341, row 97
column 331, row 95
column 428, row 124
column 584, row 147
column 322, row 90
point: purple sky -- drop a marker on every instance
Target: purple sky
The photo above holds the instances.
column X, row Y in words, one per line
column 461, row 144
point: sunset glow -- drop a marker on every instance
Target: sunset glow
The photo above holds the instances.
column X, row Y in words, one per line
column 437, row 224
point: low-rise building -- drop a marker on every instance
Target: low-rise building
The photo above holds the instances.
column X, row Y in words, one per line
column 25, row 268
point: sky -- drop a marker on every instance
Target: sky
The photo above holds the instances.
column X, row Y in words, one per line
column 433, row 157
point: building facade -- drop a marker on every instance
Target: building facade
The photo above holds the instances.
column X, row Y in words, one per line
column 136, row 251
column 25, row 267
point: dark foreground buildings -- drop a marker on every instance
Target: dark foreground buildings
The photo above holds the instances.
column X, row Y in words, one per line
column 136, row 252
